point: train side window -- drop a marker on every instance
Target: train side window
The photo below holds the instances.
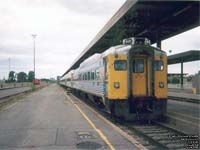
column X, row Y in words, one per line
column 158, row 65
column 138, row 65
column 80, row 76
column 92, row 75
column 85, row 76
column 97, row 74
column 88, row 75
column 120, row 65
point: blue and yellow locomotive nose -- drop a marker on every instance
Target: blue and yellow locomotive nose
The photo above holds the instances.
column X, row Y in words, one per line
column 117, row 76
column 125, row 79
column 146, row 75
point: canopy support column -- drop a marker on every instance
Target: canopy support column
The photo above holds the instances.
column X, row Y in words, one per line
column 182, row 75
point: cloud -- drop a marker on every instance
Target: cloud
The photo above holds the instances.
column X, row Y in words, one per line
column 91, row 7
column 64, row 28
column 183, row 42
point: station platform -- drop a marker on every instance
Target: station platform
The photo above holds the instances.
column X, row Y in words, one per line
column 50, row 119
column 183, row 95
column 184, row 116
column 184, row 108
column 13, row 91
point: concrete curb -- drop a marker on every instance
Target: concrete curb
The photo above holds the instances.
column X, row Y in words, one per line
column 12, row 95
column 13, row 87
column 183, row 99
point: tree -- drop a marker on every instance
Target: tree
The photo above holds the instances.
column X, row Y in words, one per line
column 11, row 76
column 21, row 77
column 175, row 80
column 31, row 76
column 189, row 78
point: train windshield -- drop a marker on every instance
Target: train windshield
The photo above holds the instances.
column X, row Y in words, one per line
column 158, row 65
column 120, row 65
column 138, row 65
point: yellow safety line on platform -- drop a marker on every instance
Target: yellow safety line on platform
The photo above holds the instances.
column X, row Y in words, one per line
column 104, row 138
column 124, row 134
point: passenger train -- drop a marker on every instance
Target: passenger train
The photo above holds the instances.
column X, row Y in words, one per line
column 128, row 80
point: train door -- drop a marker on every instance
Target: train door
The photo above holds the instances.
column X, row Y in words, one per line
column 105, row 87
column 140, row 76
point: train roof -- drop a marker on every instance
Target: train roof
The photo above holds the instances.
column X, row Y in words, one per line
column 119, row 49
column 90, row 60
column 124, row 49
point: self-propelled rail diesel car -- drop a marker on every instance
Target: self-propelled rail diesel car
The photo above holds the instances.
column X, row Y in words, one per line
column 129, row 80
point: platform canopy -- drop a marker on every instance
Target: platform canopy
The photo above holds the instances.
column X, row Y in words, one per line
column 188, row 56
column 156, row 20
column 192, row 55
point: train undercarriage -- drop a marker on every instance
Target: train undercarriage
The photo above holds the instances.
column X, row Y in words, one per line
column 148, row 108
column 134, row 109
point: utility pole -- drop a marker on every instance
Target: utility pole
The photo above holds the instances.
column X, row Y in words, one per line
column 9, row 64
column 8, row 67
column 34, row 36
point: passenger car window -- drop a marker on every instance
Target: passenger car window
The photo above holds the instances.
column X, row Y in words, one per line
column 88, row 75
column 92, row 75
column 97, row 74
column 120, row 65
column 158, row 65
column 138, row 65
column 85, row 76
column 80, row 76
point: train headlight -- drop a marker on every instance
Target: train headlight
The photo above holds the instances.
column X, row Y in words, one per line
column 161, row 84
column 116, row 85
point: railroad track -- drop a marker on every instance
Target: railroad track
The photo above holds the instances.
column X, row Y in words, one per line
column 153, row 135
column 160, row 137
column 157, row 136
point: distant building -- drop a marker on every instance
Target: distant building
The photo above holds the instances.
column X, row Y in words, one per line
column 2, row 81
column 196, row 83
column 52, row 79
column 58, row 78
column 175, row 78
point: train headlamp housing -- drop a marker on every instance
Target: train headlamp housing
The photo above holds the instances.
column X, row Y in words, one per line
column 161, row 85
column 116, row 85
column 136, row 41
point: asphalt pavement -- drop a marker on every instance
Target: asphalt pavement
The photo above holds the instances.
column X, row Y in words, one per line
column 184, row 116
column 47, row 119
column 184, row 108
column 8, row 92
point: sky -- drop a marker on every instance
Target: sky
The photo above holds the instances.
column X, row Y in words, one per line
column 64, row 28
